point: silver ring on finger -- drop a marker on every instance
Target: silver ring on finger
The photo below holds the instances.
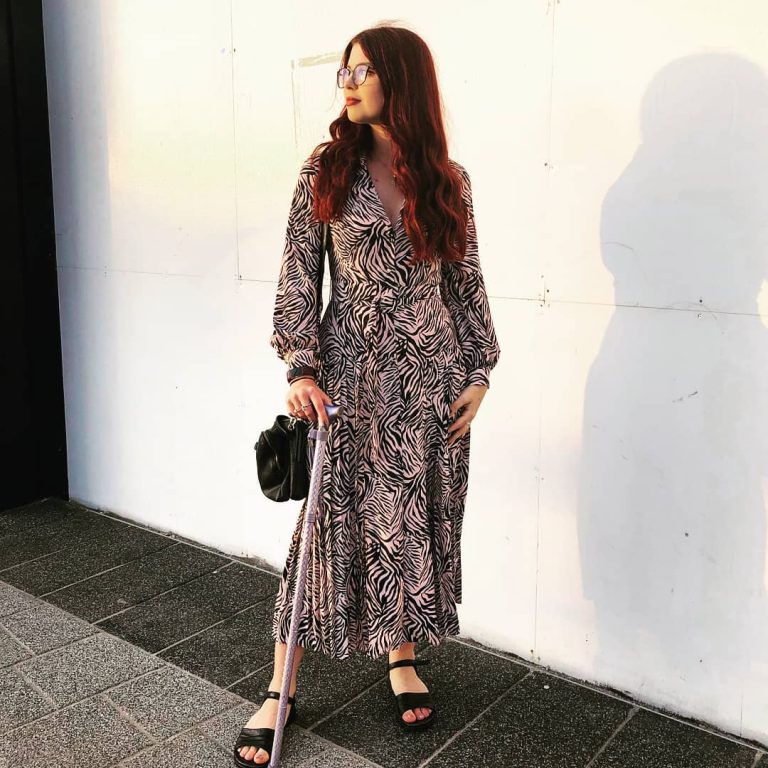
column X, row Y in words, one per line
column 307, row 405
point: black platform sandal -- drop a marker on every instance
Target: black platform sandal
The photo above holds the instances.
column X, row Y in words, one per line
column 411, row 699
column 261, row 737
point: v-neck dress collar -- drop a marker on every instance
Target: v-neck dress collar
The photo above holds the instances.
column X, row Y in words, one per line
column 369, row 175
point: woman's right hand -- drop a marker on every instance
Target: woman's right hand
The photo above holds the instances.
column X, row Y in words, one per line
column 305, row 391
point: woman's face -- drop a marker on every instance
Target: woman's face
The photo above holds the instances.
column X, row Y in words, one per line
column 364, row 102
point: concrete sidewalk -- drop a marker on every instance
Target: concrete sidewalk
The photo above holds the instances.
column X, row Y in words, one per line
column 120, row 646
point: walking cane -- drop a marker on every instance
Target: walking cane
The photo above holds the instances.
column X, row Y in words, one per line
column 320, row 436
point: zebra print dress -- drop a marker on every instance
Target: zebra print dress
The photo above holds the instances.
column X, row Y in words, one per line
column 395, row 346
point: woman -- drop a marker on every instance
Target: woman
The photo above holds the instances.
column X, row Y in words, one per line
column 406, row 344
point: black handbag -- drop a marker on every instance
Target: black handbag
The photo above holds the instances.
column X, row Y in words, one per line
column 283, row 452
column 281, row 459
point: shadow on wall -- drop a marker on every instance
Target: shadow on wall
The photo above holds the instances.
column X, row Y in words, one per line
column 672, row 522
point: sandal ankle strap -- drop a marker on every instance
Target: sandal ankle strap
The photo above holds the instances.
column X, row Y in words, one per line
column 407, row 663
column 275, row 695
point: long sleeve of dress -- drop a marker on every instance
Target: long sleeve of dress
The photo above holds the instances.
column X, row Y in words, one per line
column 298, row 303
column 463, row 291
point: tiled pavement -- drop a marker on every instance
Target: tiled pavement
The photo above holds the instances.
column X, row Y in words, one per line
column 120, row 646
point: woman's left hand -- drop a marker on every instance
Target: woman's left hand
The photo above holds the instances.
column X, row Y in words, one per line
column 470, row 398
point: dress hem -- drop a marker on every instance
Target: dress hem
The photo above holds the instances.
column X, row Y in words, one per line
column 309, row 640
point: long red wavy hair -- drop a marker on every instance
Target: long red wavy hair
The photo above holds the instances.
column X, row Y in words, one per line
column 434, row 212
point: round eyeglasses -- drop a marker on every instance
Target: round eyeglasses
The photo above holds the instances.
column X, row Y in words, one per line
column 358, row 74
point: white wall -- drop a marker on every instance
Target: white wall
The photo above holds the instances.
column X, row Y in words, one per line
column 616, row 523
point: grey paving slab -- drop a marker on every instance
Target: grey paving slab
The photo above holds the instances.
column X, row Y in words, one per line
column 104, row 547
column 650, row 740
column 229, row 651
column 323, row 684
column 86, row 667
column 11, row 651
column 186, row 749
column 193, row 606
column 46, row 511
column 299, row 745
column 13, row 600
column 44, row 627
column 136, row 581
column 49, row 538
column 542, row 720
column 224, row 726
column 20, row 701
column 88, row 734
column 337, row 758
column 463, row 683
column 169, row 700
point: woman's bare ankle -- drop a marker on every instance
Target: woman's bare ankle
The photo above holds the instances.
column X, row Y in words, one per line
column 405, row 651
column 276, row 682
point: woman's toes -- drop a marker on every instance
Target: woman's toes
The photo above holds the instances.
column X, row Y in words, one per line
column 420, row 713
column 261, row 757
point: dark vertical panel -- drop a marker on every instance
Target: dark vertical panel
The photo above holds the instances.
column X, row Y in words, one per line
column 16, row 438
column 32, row 437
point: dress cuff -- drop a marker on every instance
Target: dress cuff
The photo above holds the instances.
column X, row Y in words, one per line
column 478, row 376
column 298, row 357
